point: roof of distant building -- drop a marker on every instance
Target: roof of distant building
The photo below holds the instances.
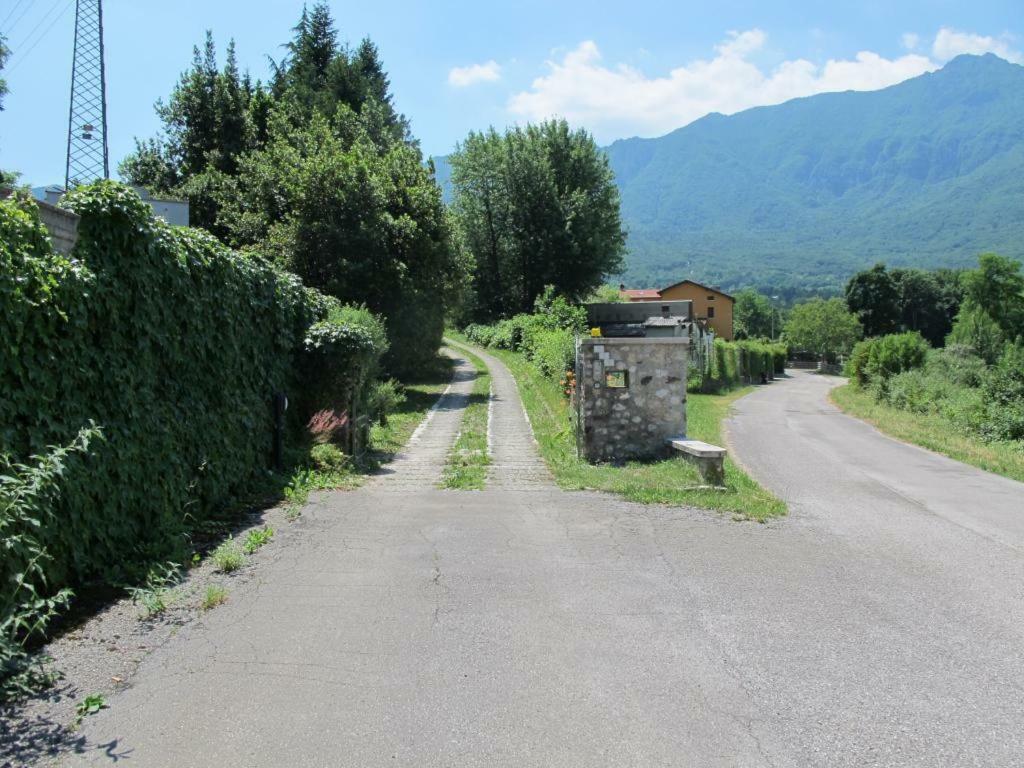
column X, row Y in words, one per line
column 642, row 293
column 711, row 288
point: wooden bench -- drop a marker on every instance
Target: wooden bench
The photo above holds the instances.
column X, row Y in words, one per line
column 710, row 459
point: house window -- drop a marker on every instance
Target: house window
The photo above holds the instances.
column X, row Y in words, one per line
column 711, row 313
column 711, row 298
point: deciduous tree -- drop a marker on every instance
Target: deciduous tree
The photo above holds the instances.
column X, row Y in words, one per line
column 824, row 327
column 538, row 206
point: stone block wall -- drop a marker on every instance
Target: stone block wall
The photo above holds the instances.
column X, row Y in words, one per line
column 630, row 397
column 63, row 226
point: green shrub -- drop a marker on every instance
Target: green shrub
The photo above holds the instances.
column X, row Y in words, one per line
column 28, row 493
column 228, row 557
column 384, row 398
column 554, row 352
column 857, row 364
column 874, row 361
column 974, row 328
column 1004, row 395
column 327, row 457
column 256, row 539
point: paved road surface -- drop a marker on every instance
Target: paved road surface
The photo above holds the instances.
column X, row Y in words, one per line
column 533, row 627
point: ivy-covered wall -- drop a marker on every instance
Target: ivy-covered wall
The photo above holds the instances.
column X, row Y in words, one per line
column 170, row 343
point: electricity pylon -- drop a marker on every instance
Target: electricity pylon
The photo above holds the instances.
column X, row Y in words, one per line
column 87, row 120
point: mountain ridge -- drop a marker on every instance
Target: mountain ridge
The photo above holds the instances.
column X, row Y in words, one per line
column 795, row 197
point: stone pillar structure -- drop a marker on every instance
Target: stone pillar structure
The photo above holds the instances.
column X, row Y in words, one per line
column 630, row 397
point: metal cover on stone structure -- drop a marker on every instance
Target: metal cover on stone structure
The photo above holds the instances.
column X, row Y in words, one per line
column 630, row 397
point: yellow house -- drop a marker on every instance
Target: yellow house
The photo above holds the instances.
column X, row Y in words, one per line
column 709, row 304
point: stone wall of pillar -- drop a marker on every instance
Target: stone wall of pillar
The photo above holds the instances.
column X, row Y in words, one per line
column 630, row 397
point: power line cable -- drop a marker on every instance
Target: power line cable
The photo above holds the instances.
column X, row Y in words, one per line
column 10, row 27
column 42, row 20
column 24, row 54
column 3, row 24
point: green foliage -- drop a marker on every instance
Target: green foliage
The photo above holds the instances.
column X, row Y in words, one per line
column 327, row 457
column 362, row 222
column 733, row 364
column 604, row 294
column 28, row 601
column 176, row 347
column 872, row 296
column 215, row 595
column 997, row 286
column 976, row 330
column 755, row 316
column 546, row 338
column 158, row 589
column 385, row 398
column 875, row 361
column 954, row 384
column 824, row 327
column 228, row 557
column 317, row 173
column 537, row 206
column 1004, row 395
column 5, row 52
column 90, row 705
column 257, row 539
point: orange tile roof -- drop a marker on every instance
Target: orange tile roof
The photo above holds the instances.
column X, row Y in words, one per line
column 642, row 293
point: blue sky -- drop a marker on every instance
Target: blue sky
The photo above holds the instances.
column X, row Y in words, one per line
column 618, row 69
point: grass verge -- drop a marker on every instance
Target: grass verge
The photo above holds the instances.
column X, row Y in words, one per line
column 672, row 481
column 466, row 468
column 931, row 431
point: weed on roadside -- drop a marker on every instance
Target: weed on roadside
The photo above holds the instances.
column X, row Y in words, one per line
column 158, row 590
column 90, row 705
column 257, row 539
column 216, row 594
column 228, row 557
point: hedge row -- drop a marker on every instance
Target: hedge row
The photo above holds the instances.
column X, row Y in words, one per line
column 174, row 347
column 732, row 364
column 547, row 338
column 987, row 401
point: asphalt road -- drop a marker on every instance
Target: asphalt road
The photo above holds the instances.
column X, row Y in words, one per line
column 876, row 626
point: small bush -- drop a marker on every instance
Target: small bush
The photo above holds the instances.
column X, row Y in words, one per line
column 328, row 458
column 228, row 557
column 385, row 398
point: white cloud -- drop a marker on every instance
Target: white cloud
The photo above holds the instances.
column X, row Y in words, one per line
column 910, row 40
column 622, row 100
column 460, row 77
column 950, row 43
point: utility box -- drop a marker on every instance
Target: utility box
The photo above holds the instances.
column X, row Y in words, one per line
column 630, row 397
